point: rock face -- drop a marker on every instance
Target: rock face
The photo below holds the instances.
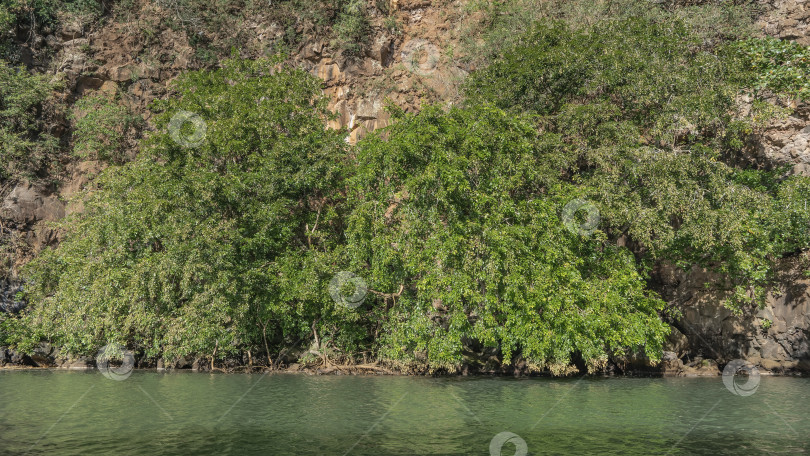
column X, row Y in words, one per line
column 774, row 337
column 786, row 19
column 24, row 216
column 787, row 142
column 44, row 355
column 27, row 205
column 8, row 297
column 406, row 67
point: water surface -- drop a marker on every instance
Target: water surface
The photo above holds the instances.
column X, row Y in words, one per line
column 81, row 413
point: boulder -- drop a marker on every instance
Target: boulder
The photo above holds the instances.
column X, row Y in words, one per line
column 71, row 30
column 20, row 359
column 381, row 50
column 43, row 355
column 8, row 297
column 774, row 337
column 700, row 368
column 27, row 204
column 85, row 83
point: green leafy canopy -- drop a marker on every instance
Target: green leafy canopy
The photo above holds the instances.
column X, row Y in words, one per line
column 187, row 249
column 453, row 218
column 650, row 120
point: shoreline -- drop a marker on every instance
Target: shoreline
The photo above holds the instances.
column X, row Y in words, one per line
column 346, row 371
column 46, row 356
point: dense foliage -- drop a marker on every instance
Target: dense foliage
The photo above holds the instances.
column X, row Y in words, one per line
column 187, row 249
column 101, row 127
column 464, row 209
column 22, row 20
column 352, row 27
column 214, row 28
column 649, row 119
column 497, row 26
column 26, row 147
column 780, row 66
column 220, row 247
column 223, row 235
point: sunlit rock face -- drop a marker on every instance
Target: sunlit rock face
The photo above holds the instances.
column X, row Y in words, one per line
column 28, row 204
column 786, row 19
column 787, row 142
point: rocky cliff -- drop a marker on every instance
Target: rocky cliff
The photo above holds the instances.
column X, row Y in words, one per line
column 414, row 55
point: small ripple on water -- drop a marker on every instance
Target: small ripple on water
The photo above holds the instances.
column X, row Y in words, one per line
column 182, row 413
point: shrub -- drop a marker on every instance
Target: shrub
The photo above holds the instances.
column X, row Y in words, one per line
column 352, row 27
column 86, row 11
column 502, row 25
column 647, row 117
column 27, row 150
column 215, row 28
column 780, row 66
column 462, row 212
column 191, row 250
column 102, row 124
column 229, row 245
column 453, row 217
column 36, row 14
column 654, row 76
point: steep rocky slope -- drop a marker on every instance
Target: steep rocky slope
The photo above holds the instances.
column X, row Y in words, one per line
column 415, row 55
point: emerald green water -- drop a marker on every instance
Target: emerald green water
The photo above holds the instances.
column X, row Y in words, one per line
column 81, row 413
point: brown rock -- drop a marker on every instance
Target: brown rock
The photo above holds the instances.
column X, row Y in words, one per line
column 109, row 87
column 701, row 368
column 27, row 204
column 381, row 50
column 311, row 51
column 368, row 108
column 671, row 365
column 120, row 73
column 85, row 83
column 71, row 31
column 76, row 43
column 677, row 343
column 329, row 72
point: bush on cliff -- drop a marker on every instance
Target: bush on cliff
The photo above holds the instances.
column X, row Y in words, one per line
column 102, row 124
column 27, row 148
column 650, row 120
column 464, row 213
column 456, row 219
column 229, row 244
column 781, row 66
column 206, row 248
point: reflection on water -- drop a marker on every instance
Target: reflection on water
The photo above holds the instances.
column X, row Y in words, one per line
column 45, row 412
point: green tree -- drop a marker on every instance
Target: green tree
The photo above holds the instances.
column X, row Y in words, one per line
column 646, row 113
column 101, row 126
column 781, row 66
column 463, row 211
column 187, row 250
